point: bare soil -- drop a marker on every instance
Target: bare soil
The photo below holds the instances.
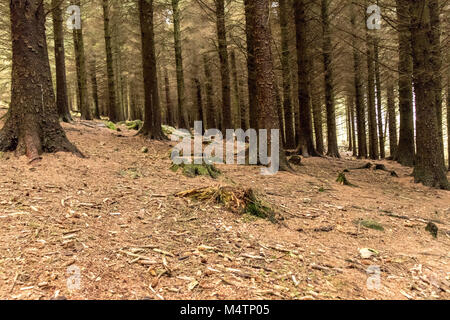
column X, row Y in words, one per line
column 114, row 216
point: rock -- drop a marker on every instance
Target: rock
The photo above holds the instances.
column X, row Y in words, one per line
column 144, row 150
column 366, row 253
column 432, row 228
column 295, row 160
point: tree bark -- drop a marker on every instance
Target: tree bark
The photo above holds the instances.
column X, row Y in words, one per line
column 227, row 122
column 392, row 119
column 359, row 104
column 406, row 149
column 288, row 106
column 250, row 64
column 169, row 104
column 237, row 98
column 304, row 123
column 112, row 105
column 32, row 125
column 429, row 168
column 378, row 89
column 265, row 77
column 62, row 101
column 333, row 150
column 152, row 112
column 94, row 84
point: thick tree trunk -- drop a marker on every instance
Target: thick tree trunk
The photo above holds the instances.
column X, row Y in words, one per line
column 429, row 168
column 392, row 119
column 288, row 106
column 359, row 104
column 265, row 77
column 182, row 116
column 333, row 150
column 199, row 101
column 112, row 105
column 406, row 149
column 250, row 65
column 304, row 123
column 318, row 122
column 378, row 88
column 227, row 122
column 32, row 125
column 152, row 113
column 80, row 59
column 62, row 101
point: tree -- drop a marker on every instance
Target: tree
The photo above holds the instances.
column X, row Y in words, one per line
column 112, row 105
column 392, row 118
column 359, row 105
column 251, row 77
column 288, row 106
column 304, row 123
column 429, row 167
column 333, row 150
column 227, row 122
column 32, row 125
column 182, row 117
column 169, row 105
column 406, row 149
column 62, row 101
column 93, row 67
column 378, row 89
column 210, row 109
column 80, row 59
column 152, row 113
column 265, row 77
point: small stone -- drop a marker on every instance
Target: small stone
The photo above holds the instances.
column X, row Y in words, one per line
column 144, row 150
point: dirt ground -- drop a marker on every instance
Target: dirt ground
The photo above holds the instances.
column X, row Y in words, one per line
column 113, row 218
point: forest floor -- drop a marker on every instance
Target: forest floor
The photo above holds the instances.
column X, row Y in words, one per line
column 114, row 216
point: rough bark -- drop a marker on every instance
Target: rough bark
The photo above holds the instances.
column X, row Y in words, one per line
column 152, row 112
column 80, row 59
column 288, row 106
column 32, row 124
column 406, row 149
column 378, row 89
column 62, row 101
column 392, row 120
column 265, row 77
column 210, row 108
column 237, row 98
column 227, row 122
column 304, row 123
column 112, row 105
column 93, row 67
column 169, row 104
column 251, row 77
column 429, row 168
column 359, row 104
column 332, row 150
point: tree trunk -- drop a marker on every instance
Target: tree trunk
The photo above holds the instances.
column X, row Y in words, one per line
column 288, row 106
column 32, row 125
column 62, row 101
column 429, row 168
column 237, row 98
column 250, row 64
column 304, row 123
column 152, row 114
column 210, row 108
column 81, row 70
column 227, row 122
column 359, row 104
column 169, row 105
column 199, row 101
column 378, row 88
column 406, row 149
column 94, row 87
column 265, row 77
column 333, row 150
column 182, row 116
column 392, row 119
column 112, row 106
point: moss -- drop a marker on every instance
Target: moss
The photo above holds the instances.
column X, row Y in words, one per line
column 134, row 125
column 370, row 224
column 257, row 208
column 110, row 125
column 342, row 179
column 167, row 130
column 193, row 170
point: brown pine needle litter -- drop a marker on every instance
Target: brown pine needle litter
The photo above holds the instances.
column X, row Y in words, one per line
column 234, row 199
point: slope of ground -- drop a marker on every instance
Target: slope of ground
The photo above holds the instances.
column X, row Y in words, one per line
column 114, row 218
